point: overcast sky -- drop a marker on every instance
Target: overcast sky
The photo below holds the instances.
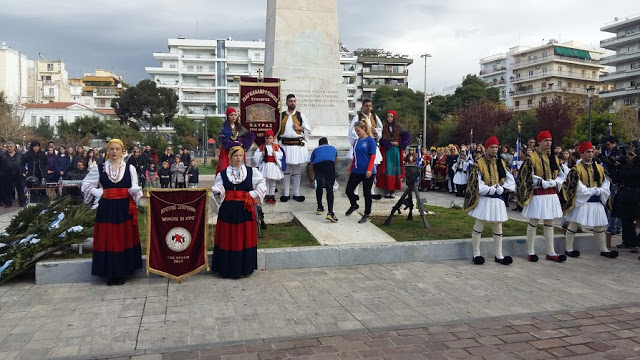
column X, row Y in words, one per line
column 121, row 35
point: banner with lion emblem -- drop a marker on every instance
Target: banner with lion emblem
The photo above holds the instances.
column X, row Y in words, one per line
column 177, row 228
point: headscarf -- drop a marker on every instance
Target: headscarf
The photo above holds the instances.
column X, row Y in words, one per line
column 235, row 149
column 113, row 141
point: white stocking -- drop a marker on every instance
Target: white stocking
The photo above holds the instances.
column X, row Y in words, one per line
column 497, row 239
column 571, row 235
column 475, row 236
column 548, row 235
column 531, row 236
column 601, row 238
column 295, row 175
column 271, row 186
column 286, row 182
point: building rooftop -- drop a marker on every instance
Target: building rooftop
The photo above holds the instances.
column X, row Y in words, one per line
column 619, row 23
column 52, row 105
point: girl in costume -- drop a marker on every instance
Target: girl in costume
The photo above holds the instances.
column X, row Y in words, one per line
column 116, row 241
column 231, row 134
column 395, row 140
column 268, row 159
column 236, row 191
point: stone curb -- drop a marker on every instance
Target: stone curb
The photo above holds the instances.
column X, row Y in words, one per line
column 68, row 271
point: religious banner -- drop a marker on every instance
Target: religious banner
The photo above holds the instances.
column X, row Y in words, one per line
column 260, row 105
column 177, row 228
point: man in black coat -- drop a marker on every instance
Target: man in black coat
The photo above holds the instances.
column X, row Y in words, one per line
column 12, row 170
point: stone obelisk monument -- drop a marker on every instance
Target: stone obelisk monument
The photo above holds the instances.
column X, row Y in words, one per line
column 302, row 47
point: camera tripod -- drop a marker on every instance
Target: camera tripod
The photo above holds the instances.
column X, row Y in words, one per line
column 412, row 176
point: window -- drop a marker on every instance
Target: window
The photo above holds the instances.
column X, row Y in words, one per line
column 51, row 92
column 544, row 55
column 570, row 72
column 172, row 66
column 530, row 74
column 529, row 102
column 593, row 75
column 50, row 67
column 517, row 103
column 560, row 83
column 34, row 120
column 47, row 118
column 560, row 70
column 584, row 74
column 544, row 85
column 190, row 68
column 569, row 85
column 60, row 118
column 544, row 72
column 633, row 66
column 199, row 68
column 630, row 101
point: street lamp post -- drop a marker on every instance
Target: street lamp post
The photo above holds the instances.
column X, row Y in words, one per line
column 205, row 136
column 590, row 91
column 424, row 116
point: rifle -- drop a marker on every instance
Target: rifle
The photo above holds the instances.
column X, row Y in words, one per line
column 412, row 176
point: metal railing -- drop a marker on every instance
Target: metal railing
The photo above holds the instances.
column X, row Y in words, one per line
column 554, row 57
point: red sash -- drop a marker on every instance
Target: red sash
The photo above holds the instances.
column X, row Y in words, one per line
column 541, row 191
column 244, row 196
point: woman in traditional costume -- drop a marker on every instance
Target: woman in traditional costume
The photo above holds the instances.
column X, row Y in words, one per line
column 231, row 134
column 116, row 240
column 390, row 171
column 236, row 191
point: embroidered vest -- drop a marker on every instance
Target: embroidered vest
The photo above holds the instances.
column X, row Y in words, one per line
column 489, row 171
column 542, row 167
column 588, row 177
column 297, row 120
column 371, row 119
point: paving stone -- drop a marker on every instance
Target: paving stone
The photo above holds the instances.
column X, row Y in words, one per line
column 515, row 338
column 580, row 349
column 548, row 343
column 461, row 344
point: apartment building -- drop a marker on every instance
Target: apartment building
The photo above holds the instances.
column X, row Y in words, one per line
column 51, row 80
column 493, row 71
column 376, row 69
column 204, row 73
column 14, row 74
column 97, row 90
column 534, row 74
column 626, row 60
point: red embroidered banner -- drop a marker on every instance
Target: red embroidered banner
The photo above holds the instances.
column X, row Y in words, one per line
column 177, row 228
column 259, row 106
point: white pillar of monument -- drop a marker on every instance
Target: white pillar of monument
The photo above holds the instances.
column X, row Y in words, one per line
column 302, row 47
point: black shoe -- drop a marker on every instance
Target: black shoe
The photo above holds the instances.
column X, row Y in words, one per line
column 478, row 260
column 365, row 218
column 320, row 210
column 299, row 198
column 507, row 260
column 572, row 253
column 331, row 217
column 609, row 254
column 109, row 281
column 557, row 258
column 284, row 198
column 351, row 210
column 118, row 281
column 376, row 196
column 624, row 246
column 532, row 258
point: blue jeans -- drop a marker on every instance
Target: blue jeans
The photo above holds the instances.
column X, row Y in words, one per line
column 615, row 224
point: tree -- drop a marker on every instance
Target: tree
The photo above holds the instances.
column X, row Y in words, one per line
column 145, row 105
column 188, row 133
column 44, row 132
column 558, row 116
column 10, row 124
column 484, row 118
column 508, row 134
column 629, row 121
column 77, row 132
column 599, row 128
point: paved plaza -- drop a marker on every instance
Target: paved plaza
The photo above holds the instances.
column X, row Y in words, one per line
column 366, row 307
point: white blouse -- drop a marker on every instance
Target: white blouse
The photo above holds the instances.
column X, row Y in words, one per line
column 91, row 181
column 236, row 177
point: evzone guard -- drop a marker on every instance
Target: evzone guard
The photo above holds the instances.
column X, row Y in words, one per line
column 294, row 131
column 539, row 181
column 488, row 180
column 587, row 191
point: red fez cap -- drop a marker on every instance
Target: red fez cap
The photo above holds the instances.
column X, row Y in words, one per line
column 268, row 133
column 585, row 146
column 543, row 135
column 394, row 113
column 491, row 141
column 230, row 110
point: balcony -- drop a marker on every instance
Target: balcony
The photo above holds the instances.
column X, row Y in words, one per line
column 618, row 58
column 542, row 59
column 547, row 90
column 493, row 58
column 160, row 70
column 373, row 87
column 631, row 90
column 622, row 74
column 386, row 73
column 165, row 56
column 552, row 73
column 198, row 57
column 196, row 71
column 522, row 107
column 615, row 42
column 493, row 71
column 198, row 99
column 238, row 60
column 496, row 83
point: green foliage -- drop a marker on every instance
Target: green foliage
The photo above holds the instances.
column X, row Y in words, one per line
column 110, row 129
column 36, row 220
column 10, row 124
column 599, row 129
column 213, row 126
column 508, row 134
column 157, row 142
column 43, row 132
column 446, row 131
column 145, row 105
